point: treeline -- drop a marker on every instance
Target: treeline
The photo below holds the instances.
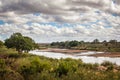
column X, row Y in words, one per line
column 96, row 45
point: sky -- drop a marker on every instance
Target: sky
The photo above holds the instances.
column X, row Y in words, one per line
column 60, row 20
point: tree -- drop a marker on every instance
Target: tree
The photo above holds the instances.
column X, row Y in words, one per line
column 20, row 43
column 62, row 44
column 73, row 43
column 113, row 41
column 105, row 43
column 96, row 41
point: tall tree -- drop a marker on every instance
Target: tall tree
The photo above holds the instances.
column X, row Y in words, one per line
column 73, row 43
column 113, row 41
column 20, row 43
column 95, row 41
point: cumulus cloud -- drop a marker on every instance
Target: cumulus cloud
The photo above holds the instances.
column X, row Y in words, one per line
column 62, row 10
column 53, row 7
column 93, row 19
column 41, row 32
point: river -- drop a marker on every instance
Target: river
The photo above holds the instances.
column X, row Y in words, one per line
column 83, row 56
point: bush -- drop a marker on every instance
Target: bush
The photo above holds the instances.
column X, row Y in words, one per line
column 65, row 66
column 2, row 68
column 13, row 55
column 1, row 44
column 12, row 75
column 2, row 63
column 109, row 65
column 32, row 67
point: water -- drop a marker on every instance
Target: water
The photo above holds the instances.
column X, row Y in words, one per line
column 86, row 59
column 87, row 53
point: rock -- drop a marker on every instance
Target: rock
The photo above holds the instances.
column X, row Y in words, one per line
column 102, row 68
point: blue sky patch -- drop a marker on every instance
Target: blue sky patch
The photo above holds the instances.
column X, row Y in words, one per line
column 2, row 22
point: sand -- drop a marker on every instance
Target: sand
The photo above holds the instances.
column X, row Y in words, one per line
column 70, row 51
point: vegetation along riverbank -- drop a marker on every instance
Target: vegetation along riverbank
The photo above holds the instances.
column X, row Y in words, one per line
column 95, row 45
column 14, row 66
column 24, row 66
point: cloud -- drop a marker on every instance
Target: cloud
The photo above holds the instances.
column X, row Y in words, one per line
column 92, row 19
column 52, row 7
column 117, row 1
column 61, row 11
column 41, row 32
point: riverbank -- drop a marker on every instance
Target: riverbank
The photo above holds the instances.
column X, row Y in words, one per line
column 70, row 51
column 14, row 66
column 106, row 54
column 66, row 51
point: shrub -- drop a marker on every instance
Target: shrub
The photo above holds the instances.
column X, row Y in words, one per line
column 109, row 65
column 12, row 75
column 13, row 55
column 65, row 66
column 2, row 68
column 31, row 66
column 2, row 63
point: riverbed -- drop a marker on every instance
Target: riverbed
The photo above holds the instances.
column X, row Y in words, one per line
column 82, row 55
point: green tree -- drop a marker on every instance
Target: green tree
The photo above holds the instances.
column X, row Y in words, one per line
column 96, row 41
column 113, row 41
column 73, row 43
column 20, row 43
column 105, row 43
column 28, row 44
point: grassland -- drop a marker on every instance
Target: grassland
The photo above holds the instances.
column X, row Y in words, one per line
column 14, row 66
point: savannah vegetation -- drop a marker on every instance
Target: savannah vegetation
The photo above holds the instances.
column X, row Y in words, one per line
column 14, row 66
column 25, row 66
column 95, row 45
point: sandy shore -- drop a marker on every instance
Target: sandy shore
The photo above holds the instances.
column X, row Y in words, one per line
column 107, row 54
column 69, row 51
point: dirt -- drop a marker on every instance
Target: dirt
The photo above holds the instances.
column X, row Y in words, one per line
column 107, row 54
column 67, row 51
column 70, row 51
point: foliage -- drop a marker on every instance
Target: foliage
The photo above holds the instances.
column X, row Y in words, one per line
column 65, row 66
column 95, row 45
column 20, row 43
column 67, row 44
column 32, row 67
column 95, row 41
column 1, row 44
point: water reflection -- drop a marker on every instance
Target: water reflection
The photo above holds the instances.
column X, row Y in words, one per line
column 85, row 59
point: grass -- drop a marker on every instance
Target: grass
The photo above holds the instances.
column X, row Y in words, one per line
column 31, row 67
